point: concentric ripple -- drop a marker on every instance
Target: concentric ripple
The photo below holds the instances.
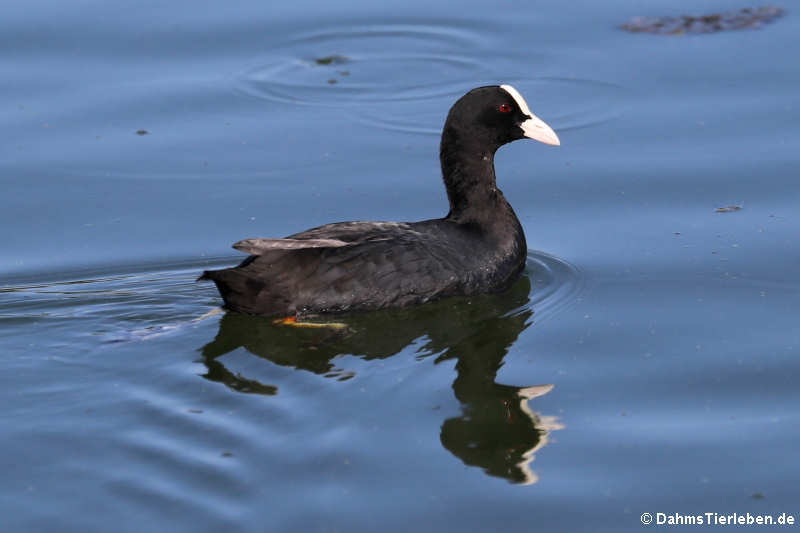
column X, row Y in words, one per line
column 564, row 103
column 365, row 64
column 404, row 77
column 304, row 81
column 555, row 283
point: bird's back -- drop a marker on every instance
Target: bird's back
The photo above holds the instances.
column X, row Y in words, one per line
column 376, row 265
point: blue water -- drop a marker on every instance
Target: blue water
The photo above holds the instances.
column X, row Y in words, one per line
column 646, row 362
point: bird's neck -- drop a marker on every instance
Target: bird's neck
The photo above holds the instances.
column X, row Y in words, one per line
column 468, row 172
column 477, row 203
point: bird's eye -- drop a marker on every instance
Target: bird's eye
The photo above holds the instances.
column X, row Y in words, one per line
column 504, row 108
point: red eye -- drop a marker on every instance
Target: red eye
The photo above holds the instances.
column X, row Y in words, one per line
column 504, row 108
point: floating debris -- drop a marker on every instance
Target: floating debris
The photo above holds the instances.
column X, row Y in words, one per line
column 740, row 19
column 333, row 81
column 142, row 132
column 332, row 60
column 728, row 209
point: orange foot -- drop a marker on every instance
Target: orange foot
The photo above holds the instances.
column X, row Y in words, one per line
column 292, row 321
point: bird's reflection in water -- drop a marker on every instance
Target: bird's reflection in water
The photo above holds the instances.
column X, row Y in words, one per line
column 496, row 431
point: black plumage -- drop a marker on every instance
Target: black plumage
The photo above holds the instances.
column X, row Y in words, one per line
column 478, row 247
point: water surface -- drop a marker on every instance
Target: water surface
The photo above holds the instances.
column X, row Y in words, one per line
column 646, row 362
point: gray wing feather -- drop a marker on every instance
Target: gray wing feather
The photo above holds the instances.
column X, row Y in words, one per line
column 261, row 246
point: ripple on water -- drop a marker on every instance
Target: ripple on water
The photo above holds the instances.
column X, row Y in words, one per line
column 354, row 65
column 180, row 433
column 556, row 284
column 120, row 307
column 109, row 306
column 564, row 103
column 405, row 77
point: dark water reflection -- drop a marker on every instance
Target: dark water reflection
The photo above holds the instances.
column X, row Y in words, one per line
column 496, row 430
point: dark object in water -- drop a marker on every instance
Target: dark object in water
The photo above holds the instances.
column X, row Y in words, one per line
column 740, row 19
column 479, row 247
column 332, row 60
column 728, row 209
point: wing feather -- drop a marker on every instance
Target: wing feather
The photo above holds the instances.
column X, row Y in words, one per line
column 261, row 246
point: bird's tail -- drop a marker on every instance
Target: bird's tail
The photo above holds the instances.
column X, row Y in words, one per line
column 239, row 291
column 207, row 275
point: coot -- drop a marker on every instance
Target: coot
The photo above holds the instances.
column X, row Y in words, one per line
column 478, row 247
